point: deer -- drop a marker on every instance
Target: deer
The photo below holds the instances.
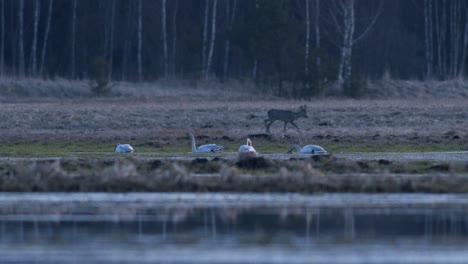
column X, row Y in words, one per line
column 286, row 116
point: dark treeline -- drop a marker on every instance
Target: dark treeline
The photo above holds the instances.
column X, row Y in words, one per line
column 295, row 46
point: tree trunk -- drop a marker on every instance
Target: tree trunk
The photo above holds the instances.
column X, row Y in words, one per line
column 213, row 39
column 205, row 37
column 318, row 62
column 428, row 37
column 456, row 38
column 461, row 71
column 164, row 30
column 174, row 37
column 111, row 41
column 307, row 40
column 37, row 10
column 73, row 41
column 127, row 39
column 230, row 15
column 345, row 8
column 20, row 39
column 46, row 37
column 140, row 30
column 2, row 43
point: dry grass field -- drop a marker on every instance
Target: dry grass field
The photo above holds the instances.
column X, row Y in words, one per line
column 73, row 133
column 149, row 114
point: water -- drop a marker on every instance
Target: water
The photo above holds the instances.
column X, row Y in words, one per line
column 233, row 228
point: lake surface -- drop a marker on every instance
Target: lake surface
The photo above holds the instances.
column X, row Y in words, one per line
column 233, row 228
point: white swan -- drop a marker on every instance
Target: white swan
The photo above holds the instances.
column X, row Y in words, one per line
column 308, row 149
column 123, row 148
column 247, row 147
column 208, row 148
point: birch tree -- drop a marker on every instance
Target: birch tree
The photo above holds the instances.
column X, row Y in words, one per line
column 346, row 29
column 37, row 10
column 428, row 29
column 46, row 37
column 205, row 36
column 318, row 62
column 21, row 64
column 111, row 41
column 139, row 35
column 164, row 30
column 2, row 40
column 73, row 39
column 230, row 16
column 307, row 40
column 174, row 37
column 464, row 51
column 212, row 41
column 255, row 62
column 445, row 38
column 127, row 39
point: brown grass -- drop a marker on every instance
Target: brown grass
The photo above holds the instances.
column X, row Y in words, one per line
column 318, row 174
column 167, row 110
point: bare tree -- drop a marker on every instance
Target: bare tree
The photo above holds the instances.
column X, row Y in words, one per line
column 230, row 16
column 174, row 36
column 318, row 63
column 205, row 36
column 164, row 30
column 307, row 40
column 428, row 37
column 447, row 44
column 21, row 39
column 111, row 41
column 127, row 38
column 46, row 37
column 73, row 40
column 2, row 41
column 140, row 30
column 212, row 42
column 37, row 10
column 464, row 50
column 346, row 29
column 255, row 61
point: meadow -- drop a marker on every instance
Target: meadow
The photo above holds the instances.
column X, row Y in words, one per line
column 57, row 136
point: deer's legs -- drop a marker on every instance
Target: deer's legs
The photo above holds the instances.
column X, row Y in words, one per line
column 268, row 123
column 292, row 122
column 284, row 129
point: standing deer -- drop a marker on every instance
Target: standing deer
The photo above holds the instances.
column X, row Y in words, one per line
column 286, row 116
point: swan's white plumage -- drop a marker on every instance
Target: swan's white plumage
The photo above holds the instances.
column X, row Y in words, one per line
column 208, row 148
column 247, row 147
column 309, row 149
column 123, row 148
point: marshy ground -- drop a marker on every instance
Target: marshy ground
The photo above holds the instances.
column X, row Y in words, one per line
column 63, row 141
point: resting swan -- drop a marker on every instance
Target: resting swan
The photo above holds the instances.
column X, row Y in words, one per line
column 308, row 149
column 123, row 148
column 247, row 147
column 208, row 148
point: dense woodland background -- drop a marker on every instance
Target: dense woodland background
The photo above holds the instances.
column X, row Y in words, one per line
column 295, row 47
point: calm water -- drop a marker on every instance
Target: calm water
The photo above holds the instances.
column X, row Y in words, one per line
column 233, row 228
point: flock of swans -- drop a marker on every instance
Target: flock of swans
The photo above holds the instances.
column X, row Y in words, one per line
column 247, row 148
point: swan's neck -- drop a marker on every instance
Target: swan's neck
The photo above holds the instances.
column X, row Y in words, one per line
column 194, row 149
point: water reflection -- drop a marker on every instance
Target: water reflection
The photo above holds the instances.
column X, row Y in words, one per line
column 86, row 231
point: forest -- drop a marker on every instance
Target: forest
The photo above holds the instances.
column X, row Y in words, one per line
column 295, row 47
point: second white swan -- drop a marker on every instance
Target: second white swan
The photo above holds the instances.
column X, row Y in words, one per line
column 247, row 147
column 308, row 149
column 208, row 148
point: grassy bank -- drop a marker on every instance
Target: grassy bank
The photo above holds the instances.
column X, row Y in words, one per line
column 305, row 175
column 160, row 148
